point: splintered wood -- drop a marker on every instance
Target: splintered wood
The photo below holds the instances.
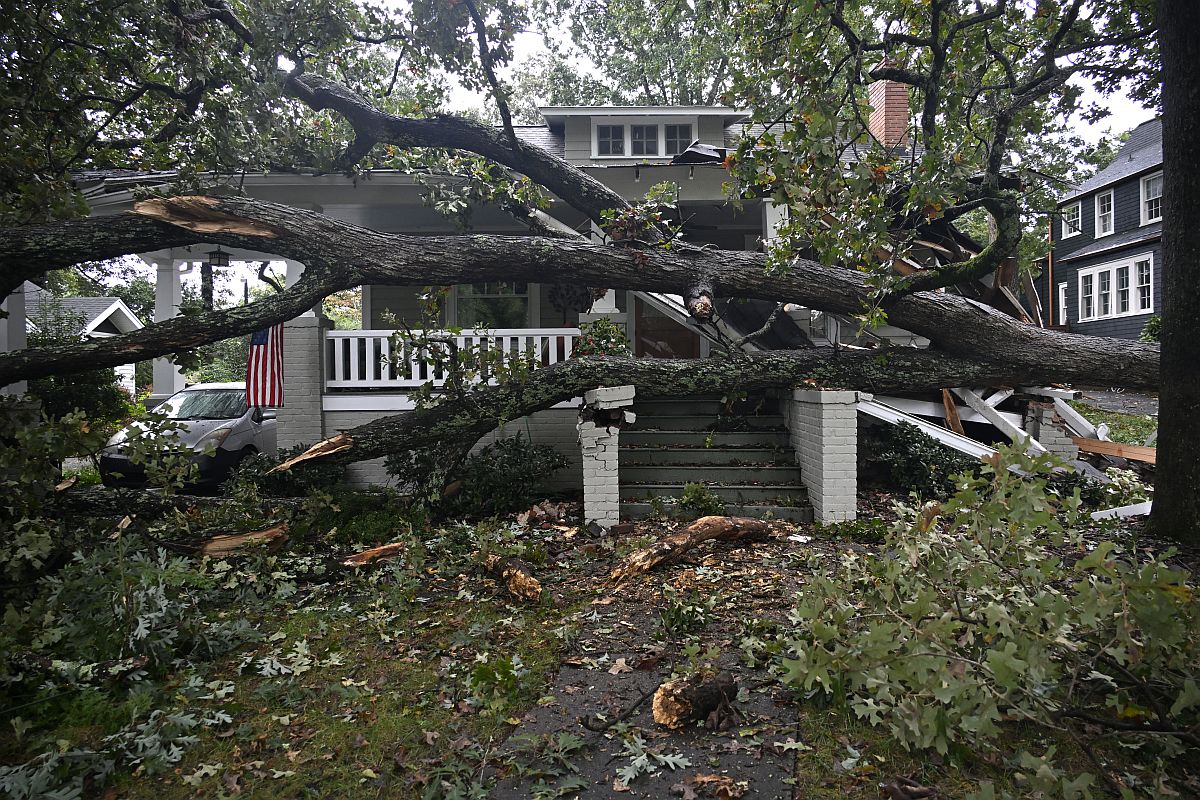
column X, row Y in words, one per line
column 323, row 448
column 382, row 553
column 223, row 545
column 684, row 700
column 515, row 575
column 673, row 546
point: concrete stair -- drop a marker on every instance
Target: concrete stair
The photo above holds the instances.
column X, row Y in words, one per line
column 746, row 460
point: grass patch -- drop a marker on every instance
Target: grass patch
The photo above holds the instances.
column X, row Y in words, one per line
column 1122, row 427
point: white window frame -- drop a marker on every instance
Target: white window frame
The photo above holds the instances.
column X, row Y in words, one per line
column 1112, row 214
column 1146, row 220
column 628, row 123
column 1063, row 311
column 1067, row 233
column 1109, row 273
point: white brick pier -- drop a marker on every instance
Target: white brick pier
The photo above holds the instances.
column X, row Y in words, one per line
column 824, row 434
column 599, row 427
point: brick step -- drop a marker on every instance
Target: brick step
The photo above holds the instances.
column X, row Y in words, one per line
column 631, row 509
column 710, row 440
column 633, row 455
column 774, row 474
column 706, row 423
column 729, row 492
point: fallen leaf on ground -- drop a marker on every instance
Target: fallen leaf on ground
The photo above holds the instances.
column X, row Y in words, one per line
column 619, row 666
column 902, row 788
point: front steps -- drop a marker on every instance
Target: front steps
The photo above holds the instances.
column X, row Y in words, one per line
column 746, row 461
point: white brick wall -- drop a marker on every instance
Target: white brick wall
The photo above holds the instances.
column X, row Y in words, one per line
column 1045, row 425
column 823, row 429
column 599, row 445
column 300, row 419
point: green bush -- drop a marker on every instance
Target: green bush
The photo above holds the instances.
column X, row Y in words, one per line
column 507, row 475
column 601, row 337
column 919, row 463
column 701, row 500
column 1152, row 332
column 298, row 481
column 993, row 608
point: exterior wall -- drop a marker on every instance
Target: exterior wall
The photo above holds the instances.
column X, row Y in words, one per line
column 824, row 434
column 401, row 301
column 1119, row 327
column 577, row 139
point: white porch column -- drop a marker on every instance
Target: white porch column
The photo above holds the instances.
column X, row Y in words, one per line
column 599, row 428
column 12, row 334
column 168, row 379
column 824, row 434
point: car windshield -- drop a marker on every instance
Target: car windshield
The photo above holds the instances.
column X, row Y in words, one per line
column 205, row 404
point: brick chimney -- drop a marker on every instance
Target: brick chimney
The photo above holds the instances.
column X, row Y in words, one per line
column 889, row 112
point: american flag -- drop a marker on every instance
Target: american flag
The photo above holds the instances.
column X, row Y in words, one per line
column 264, row 372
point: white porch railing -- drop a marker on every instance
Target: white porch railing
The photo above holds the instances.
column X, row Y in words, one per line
column 365, row 359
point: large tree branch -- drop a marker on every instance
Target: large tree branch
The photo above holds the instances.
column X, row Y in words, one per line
column 581, row 191
column 956, row 324
column 459, row 424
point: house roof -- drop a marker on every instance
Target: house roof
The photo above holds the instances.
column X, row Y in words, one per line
column 92, row 311
column 1147, row 234
column 1142, row 152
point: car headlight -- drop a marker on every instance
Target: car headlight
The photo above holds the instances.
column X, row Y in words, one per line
column 213, row 439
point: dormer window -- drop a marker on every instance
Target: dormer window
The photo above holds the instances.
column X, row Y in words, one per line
column 610, row 140
column 635, row 137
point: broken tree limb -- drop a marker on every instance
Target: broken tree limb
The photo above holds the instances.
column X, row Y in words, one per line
column 699, row 301
column 693, row 698
column 952, row 419
column 385, row 552
column 218, row 546
column 515, row 575
column 322, row 449
column 673, row 546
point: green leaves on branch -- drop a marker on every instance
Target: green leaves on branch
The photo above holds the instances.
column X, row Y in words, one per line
column 993, row 608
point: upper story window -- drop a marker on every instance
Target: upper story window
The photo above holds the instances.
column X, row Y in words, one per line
column 644, row 140
column 1104, row 213
column 1152, row 186
column 1071, row 221
column 640, row 138
column 610, row 140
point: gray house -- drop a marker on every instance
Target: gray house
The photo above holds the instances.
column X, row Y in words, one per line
column 1104, row 273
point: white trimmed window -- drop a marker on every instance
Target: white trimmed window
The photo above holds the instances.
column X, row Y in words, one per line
column 1104, row 213
column 1119, row 289
column 634, row 137
column 1071, row 217
column 1152, row 188
column 1063, row 312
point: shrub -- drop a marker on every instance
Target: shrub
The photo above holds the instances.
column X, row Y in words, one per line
column 701, row 500
column 919, row 463
column 506, row 475
column 993, row 607
column 601, row 337
column 1152, row 332
column 298, row 481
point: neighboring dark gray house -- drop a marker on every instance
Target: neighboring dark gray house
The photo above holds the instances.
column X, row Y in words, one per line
column 1104, row 273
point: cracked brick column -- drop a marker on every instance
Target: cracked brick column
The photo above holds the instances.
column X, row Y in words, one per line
column 600, row 420
column 824, row 434
column 1044, row 424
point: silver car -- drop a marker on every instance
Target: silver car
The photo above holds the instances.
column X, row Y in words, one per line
column 219, row 429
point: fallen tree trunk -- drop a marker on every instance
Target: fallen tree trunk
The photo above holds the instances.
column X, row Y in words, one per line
column 673, row 546
column 954, row 323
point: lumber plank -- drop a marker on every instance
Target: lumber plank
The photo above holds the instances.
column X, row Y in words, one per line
column 1134, row 452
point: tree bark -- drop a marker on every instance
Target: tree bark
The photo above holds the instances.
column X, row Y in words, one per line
column 454, row 425
column 958, row 325
column 1176, row 510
